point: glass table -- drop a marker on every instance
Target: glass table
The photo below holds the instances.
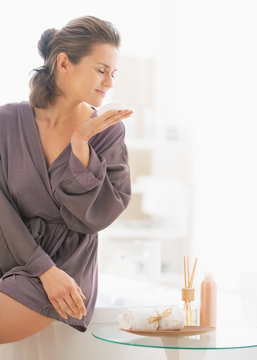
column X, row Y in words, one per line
column 221, row 338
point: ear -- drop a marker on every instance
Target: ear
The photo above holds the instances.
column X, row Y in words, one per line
column 62, row 62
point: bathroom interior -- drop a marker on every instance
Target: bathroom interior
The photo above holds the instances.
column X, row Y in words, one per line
column 188, row 71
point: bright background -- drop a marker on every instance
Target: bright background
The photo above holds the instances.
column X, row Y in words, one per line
column 188, row 70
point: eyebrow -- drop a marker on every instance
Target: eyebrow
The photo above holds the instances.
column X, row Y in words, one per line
column 107, row 66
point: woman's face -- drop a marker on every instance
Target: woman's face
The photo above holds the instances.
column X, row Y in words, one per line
column 90, row 79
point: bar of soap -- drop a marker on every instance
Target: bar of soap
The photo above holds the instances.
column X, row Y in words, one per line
column 108, row 107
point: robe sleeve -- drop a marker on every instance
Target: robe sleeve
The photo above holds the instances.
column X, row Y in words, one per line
column 18, row 249
column 93, row 197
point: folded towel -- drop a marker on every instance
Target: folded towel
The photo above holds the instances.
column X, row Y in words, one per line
column 174, row 321
column 152, row 319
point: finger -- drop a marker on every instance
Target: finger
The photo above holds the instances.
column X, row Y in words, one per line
column 72, row 308
column 114, row 120
column 80, row 292
column 118, row 117
column 66, row 308
column 111, row 113
column 127, row 114
column 59, row 310
column 108, row 114
column 121, row 112
column 79, row 303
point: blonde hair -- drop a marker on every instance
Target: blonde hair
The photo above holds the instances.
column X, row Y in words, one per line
column 76, row 40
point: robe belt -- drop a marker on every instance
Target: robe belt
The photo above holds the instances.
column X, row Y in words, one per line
column 37, row 226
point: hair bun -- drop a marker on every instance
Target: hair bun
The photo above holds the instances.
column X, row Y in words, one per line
column 44, row 47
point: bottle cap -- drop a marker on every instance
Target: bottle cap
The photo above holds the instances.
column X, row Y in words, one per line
column 188, row 294
column 208, row 275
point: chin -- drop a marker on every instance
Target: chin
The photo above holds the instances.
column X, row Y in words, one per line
column 97, row 101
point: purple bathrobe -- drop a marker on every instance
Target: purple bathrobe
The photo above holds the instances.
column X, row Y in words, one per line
column 51, row 216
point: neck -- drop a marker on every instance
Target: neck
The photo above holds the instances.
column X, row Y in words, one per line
column 62, row 114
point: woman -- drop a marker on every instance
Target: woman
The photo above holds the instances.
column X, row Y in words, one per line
column 63, row 177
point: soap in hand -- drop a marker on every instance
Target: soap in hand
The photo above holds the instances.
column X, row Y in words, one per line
column 108, row 107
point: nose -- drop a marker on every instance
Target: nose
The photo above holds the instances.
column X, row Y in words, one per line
column 108, row 81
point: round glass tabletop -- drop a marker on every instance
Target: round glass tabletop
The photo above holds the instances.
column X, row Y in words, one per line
column 221, row 338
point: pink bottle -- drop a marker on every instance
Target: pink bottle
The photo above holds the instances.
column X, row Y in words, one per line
column 208, row 306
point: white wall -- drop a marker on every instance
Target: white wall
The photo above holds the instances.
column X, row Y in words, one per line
column 218, row 82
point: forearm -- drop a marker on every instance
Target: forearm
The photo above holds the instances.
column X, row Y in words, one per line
column 19, row 250
column 103, row 193
column 80, row 149
column 45, row 274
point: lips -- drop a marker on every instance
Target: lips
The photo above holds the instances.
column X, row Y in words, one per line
column 102, row 93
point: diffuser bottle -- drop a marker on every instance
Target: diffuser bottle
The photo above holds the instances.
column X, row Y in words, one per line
column 191, row 311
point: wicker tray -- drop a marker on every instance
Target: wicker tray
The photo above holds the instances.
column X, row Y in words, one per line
column 187, row 331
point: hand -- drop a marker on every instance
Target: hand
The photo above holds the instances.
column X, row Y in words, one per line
column 90, row 127
column 93, row 126
column 64, row 293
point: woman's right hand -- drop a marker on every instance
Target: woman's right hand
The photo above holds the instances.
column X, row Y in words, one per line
column 92, row 126
column 64, row 293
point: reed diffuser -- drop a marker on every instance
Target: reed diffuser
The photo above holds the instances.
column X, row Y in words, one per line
column 188, row 292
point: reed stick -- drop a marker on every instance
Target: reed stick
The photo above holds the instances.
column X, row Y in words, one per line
column 188, row 270
column 193, row 273
column 185, row 274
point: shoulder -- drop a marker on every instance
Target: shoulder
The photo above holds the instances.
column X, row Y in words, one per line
column 9, row 112
column 113, row 135
column 8, row 121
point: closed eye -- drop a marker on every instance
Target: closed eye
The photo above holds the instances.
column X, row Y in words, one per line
column 102, row 72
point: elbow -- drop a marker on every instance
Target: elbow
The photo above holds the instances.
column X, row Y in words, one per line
column 102, row 219
column 126, row 200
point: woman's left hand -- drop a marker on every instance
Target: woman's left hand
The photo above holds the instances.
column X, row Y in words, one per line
column 64, row 293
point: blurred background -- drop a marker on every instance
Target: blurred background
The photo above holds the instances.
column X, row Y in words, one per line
column 188, row 70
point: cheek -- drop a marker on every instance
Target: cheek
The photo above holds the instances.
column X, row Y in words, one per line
column 92, row 84
column 87, row 82
column 85, row 85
